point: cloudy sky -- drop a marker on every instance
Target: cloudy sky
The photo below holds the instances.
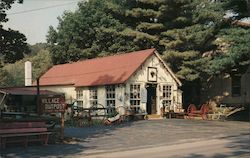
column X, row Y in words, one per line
column 34, row 17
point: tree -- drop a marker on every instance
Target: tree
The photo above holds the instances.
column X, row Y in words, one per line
column 13, row 44
column 233, row 51
column 13, row 74
column 190, row 41
column 185, row 29
column 240, row 8
column 3, row 76
column 184, row 32
column 79, row 33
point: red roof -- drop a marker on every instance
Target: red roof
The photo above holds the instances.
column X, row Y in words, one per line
column 26, row 91
column 99, row 71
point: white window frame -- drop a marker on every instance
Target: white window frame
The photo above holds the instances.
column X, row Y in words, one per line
column 110, row 98
column 135, row 97
column 167, row 93
column 93, row 96
column 79, row 97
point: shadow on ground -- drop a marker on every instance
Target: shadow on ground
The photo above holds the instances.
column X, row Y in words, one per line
column 68, row 149
column 134, row 134
column 240, row 148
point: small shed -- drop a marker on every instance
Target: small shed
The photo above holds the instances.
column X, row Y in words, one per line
column 21, row 99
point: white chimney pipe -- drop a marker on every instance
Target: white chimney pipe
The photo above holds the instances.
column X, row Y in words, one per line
column 28, row 73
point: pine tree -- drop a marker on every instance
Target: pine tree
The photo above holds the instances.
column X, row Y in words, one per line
column 185, row 32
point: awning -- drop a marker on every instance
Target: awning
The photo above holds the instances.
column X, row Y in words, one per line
column 26, row 91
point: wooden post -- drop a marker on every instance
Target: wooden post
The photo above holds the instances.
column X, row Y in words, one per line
column 62, row 126
column 38, row 97
column 89, row 118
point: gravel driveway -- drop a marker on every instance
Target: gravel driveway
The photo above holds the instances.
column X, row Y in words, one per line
column 133, row 135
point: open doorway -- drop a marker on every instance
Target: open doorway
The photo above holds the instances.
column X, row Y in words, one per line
column 151, row 98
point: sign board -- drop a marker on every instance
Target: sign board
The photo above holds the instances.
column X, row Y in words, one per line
column 152, row 74
column 144, row 95
column 53, row 104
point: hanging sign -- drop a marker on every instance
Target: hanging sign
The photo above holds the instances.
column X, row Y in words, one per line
column 53, row 104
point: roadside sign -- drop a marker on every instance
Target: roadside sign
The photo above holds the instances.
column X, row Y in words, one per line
column 53, row 104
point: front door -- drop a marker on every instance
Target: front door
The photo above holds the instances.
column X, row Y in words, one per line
column 151, row 98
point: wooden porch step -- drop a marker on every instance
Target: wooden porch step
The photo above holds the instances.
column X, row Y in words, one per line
column 154, row 117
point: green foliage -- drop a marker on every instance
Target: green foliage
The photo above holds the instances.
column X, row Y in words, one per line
column 13, row 44
column 233, row 52
column 37, row 47
column 77, row 34
column 240, row 7
column 188, row 65
column 192, row 35
column 181, row 30
column 13, row 74
column 6, row 5
column 3, row 77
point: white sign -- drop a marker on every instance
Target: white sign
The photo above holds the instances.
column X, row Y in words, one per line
column 144, row 95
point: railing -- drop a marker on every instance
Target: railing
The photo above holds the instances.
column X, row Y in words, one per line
column 97, row 113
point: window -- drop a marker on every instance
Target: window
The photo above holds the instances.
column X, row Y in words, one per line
column 93, row 96
column 135, row 97
column 236, row 85
column 79, row 97
column 79, row 94
column 166, row 95
column 110, row 99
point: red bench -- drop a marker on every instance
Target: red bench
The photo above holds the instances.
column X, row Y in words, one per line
column 23, row 132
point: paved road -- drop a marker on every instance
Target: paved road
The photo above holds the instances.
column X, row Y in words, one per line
column 143, row 135
column 205, row 148
column 158, row 132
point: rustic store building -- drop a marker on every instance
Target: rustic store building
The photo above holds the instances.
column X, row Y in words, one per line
column 139, row 80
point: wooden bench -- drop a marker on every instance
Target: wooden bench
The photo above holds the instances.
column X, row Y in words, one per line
column 23, row 132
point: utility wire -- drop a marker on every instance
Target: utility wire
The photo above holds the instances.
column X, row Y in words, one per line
column 52, row 0
column 43, row 8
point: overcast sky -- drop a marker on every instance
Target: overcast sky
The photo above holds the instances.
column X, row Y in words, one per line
column 34, row 17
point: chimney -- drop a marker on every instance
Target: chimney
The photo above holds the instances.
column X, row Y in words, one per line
column 28, row 73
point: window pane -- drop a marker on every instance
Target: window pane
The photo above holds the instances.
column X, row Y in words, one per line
column 80, row 103
column 135, row 97
column 110, row 99
column 236, row 85
column 167, row 95
column 79, row 94
column 93, row 99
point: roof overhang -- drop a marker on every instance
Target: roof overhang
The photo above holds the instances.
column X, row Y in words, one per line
column 26, row 91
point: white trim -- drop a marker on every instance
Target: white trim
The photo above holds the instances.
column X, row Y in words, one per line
column 168, row 69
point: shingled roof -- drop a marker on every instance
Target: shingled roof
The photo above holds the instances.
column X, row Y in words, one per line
column 108, row 70
column 99, row 71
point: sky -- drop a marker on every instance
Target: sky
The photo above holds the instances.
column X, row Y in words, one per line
column 33, row 17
